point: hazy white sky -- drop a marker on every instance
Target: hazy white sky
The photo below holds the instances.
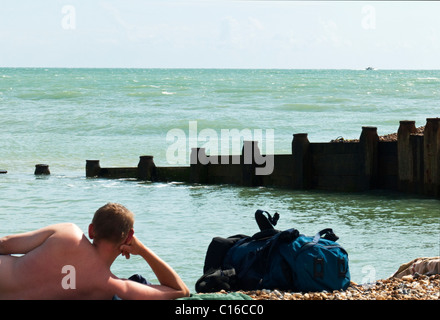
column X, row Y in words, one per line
column 220, row 34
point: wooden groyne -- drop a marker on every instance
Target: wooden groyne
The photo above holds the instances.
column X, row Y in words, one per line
column 410, row 163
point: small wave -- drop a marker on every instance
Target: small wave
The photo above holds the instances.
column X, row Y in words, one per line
column 50, row 95
column 428, row 79
column 333, row 99
column 307, row 107
column 168, row 93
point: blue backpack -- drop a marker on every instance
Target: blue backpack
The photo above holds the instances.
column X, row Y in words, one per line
column 319, row 263
column 273, row 259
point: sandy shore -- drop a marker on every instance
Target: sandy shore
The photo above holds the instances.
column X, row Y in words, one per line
column 418, row 287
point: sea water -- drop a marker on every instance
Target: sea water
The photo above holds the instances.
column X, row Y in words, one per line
column 62, row 117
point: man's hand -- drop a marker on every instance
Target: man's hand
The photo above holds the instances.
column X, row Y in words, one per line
column 134, row 246
column 171, row 286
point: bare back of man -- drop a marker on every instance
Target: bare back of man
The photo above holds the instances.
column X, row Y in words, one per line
column 59, row 262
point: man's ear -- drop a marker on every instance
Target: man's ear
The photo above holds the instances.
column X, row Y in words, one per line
column 91, row 231
column 129, row 236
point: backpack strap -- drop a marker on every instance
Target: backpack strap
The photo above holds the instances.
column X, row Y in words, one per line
column 327, row 234
column 266, row 222
column 265, row 234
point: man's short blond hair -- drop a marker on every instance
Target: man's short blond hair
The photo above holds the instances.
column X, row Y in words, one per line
column 112, row 222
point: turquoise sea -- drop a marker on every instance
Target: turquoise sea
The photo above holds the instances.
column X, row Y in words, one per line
column 62, row 117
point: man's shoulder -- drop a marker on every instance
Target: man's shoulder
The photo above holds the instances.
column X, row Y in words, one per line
column 67, row 227
column 68, row 232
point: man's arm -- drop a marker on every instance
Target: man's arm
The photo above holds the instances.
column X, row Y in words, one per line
column 171, row 285
column 22, row 243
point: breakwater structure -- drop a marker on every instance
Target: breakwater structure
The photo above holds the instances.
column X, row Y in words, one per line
column 409, row 162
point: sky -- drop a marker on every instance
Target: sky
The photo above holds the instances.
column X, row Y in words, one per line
column 220, row 34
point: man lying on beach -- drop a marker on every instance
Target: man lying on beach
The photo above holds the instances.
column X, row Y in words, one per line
column 59, row 262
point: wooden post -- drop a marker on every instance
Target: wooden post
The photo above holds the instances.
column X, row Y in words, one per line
column 249, row 152
column 405, row 163
column 368, row 158
column 92, row 168
column 431, row 155
column 302, row 175
column 198, row 171
column 146, row 168
column 42, row 169
column 416, row 142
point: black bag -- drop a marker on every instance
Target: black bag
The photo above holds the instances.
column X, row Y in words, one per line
column 220, row 276
column 217, row 250
column 273, row 259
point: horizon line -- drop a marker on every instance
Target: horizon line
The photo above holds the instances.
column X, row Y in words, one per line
column 222, row 68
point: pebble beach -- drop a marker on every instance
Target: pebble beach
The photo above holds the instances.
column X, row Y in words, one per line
column 411, row 287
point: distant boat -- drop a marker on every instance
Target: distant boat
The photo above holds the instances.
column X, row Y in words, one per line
column 369, row 68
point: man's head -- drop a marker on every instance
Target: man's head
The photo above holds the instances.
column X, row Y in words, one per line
column 112, row 222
